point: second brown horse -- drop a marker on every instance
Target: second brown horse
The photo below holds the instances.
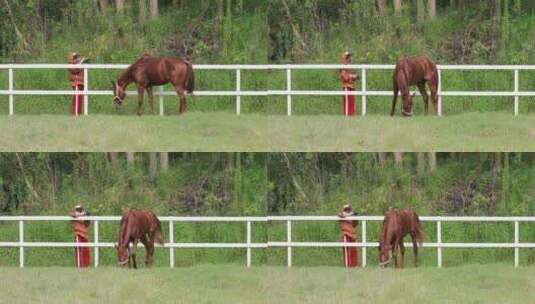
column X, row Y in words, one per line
column 396, row 225
column 138, row 226
column 415, row 71
column 148, row 71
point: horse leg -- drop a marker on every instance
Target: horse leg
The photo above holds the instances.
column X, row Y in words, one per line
column 139, row 99
column 415, row 249
column 182, row 97
column 134, row 249
column 402, row 251
column 149, row 246
column 432, row 81
column 396, row 91
column 425, row 97
column 151, row 99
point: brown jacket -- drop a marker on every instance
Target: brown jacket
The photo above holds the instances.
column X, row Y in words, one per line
column 347, row 77
column 76, row 76
column 347, row 227
column 79, row 228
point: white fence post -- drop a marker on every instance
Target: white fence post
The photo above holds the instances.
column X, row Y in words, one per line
column 95, row 236
column 160, row 99
column 238, row 89
column 516, row 91
column 248, row 243
column 171, row 242
column 439, row 93
column 10, row 88
column 289, row 240
column 439, row 244
column 364, row 243
column 517, row 238
column 21, row 244
column 86, row 89
column 289, row 88
column 363, row 80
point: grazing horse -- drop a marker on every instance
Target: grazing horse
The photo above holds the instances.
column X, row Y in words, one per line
column 138, row 225
column 414, row 71
column 396, row 225
column 148, row 71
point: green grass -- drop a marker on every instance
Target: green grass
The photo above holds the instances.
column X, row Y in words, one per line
column 221, row 131
column 234, row 284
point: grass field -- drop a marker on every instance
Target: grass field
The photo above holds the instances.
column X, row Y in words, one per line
column 234, row 284
column 222, row 131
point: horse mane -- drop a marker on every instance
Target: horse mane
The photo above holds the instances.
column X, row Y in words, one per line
column 124, row 234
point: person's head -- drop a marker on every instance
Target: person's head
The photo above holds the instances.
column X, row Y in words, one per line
column 346, row 57
column 119, row 93
column 79, row 210
column 347, row 210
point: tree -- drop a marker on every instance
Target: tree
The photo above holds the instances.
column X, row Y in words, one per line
column 420, row 11
column 130, row 158
column 397, row 6
column 154, row 8
column 381, row 5
column 120, row 5
column 103, row 5
column 432, row 6
column 432, row 161
column 142, row 11
column 164, row 161
column 153, row 164
column 398, row 158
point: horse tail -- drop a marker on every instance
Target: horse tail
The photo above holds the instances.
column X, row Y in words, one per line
column 158, row 236
column 419, row 234
column 190, row 78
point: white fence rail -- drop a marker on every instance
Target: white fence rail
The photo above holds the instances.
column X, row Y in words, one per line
column 248, row 244
column 363, row 92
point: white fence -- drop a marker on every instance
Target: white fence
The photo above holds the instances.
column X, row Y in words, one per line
column 363, row 92
column 248, row 244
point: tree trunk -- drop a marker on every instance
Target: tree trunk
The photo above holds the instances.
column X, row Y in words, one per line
column 397, row 6
column 164, row 161
column 420, row 163
column 130, row 158
column 432, row 161
column 421, row 11
column 381, row 6
column 398, row 158
column 153, row 164
column 382, row 158
column 103, row 5
column 113, row 159
column 154, row 8
column 432, row 6
column 120, row 5
column 142, row 12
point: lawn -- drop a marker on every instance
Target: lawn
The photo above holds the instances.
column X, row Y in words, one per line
column 223, row 131
column 235, row 284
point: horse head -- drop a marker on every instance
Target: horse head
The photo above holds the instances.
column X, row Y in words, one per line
column 119, row 93
column 385, row 254
column 407, row 105
column 123, row 255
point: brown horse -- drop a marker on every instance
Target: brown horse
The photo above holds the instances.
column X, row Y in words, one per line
column 138, row 225
column 415, row 71
column 396, row 225
column 149, row 71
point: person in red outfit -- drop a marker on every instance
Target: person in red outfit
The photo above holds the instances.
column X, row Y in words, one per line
column 76, row 77
column 348, row 78
column 348, row 231
column 80, row 230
